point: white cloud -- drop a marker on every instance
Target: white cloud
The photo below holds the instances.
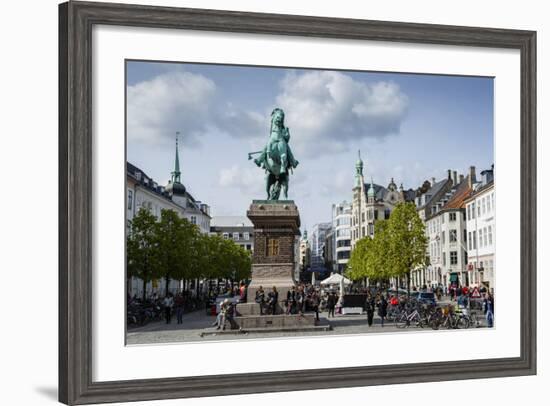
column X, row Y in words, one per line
column 170, row 102
column 189, row 103
column 329, row 110
column 247, row 180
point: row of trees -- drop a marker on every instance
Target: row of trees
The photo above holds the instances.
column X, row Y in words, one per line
column 174, row 249
column 397, row 248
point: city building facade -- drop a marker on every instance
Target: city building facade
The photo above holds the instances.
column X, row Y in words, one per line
column 341, row 224
column 304, row 255
column 237, row 228
column 445, row 223
column 317, row 240
column 372, row 202
column 480, row 226
column 143, row 192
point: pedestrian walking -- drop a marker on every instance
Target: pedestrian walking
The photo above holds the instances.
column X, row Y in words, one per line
column 489, row 309
column 315, row 301
column 179, row 304
column 331, row 303
column 382, row 309
column 300, row 300
column 290, row 300
column 369, row 307
column 168, row 304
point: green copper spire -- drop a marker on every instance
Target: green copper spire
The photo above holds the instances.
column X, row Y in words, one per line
column 371, row 192
column 176, row 174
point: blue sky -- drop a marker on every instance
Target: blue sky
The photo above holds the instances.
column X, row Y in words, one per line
column 411, row 127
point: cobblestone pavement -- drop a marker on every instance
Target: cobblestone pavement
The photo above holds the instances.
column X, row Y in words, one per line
column 198, row 322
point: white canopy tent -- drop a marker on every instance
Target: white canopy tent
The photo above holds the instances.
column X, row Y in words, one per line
column 335, row 279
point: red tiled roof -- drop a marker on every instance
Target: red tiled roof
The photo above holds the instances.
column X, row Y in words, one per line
column 462, row 193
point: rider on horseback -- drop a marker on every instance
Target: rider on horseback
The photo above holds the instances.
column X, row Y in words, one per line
column 277, row 148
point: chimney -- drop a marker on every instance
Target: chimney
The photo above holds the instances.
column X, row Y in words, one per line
column 461, row 178
column 454, row 177
column 433, row 181
column 472, row 176
column 449, row 174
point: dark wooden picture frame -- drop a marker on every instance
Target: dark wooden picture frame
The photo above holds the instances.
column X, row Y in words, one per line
column 76, row 20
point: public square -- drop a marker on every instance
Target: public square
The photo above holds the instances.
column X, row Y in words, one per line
column 197, row 327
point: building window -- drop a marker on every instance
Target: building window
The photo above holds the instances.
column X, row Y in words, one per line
column 480, row 238
column 193, row 219
column 468, row 208
column 443, row 237
column 444, row 259
column 479, row 210
column 474, row 239
column 272, row 247
column 363, row 216
column 452, row 236
column 248, row 247
column 474, row 210
column 452, row 216
column 246, row 236
column 485, row 236
column 130, row 199
column 490, row 231
column 225, row 236
column 469, row 240
column 387, row 214
column 454, row 258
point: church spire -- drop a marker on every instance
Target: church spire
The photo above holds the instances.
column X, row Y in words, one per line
column 359, row 170
column 176, row 174
column 371, row 192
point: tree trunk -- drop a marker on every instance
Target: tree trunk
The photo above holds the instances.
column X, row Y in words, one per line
column 409, row 283
column 144, row 295
column 167, row 285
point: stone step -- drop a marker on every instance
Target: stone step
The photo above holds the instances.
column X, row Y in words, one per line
column 275, row 321
column 321, row 328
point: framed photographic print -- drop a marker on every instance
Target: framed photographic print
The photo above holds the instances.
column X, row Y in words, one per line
column 250, row 188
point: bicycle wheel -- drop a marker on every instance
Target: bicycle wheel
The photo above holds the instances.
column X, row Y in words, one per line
column 401, row 321
column 462, row 322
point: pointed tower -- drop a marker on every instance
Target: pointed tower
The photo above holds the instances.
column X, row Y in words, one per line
column 371, row 194
column 359, row 170
column 175, row 188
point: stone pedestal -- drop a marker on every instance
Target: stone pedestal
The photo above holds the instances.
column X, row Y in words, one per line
column 276, row 225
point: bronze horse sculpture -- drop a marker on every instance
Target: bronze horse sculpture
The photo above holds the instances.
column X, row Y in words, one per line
column 276, row 157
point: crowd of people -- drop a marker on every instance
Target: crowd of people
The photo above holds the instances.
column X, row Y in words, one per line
column 302, row 298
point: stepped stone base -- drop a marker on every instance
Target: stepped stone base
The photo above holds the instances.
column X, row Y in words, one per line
column 277, row 321
column 253, row 309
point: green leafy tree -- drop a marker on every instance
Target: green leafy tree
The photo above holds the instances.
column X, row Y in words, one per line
column 142, row 248
column 175, row 237
column 407, row 241
column 369, row 257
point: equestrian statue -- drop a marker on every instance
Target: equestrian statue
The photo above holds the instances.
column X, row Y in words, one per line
column 276, row 158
